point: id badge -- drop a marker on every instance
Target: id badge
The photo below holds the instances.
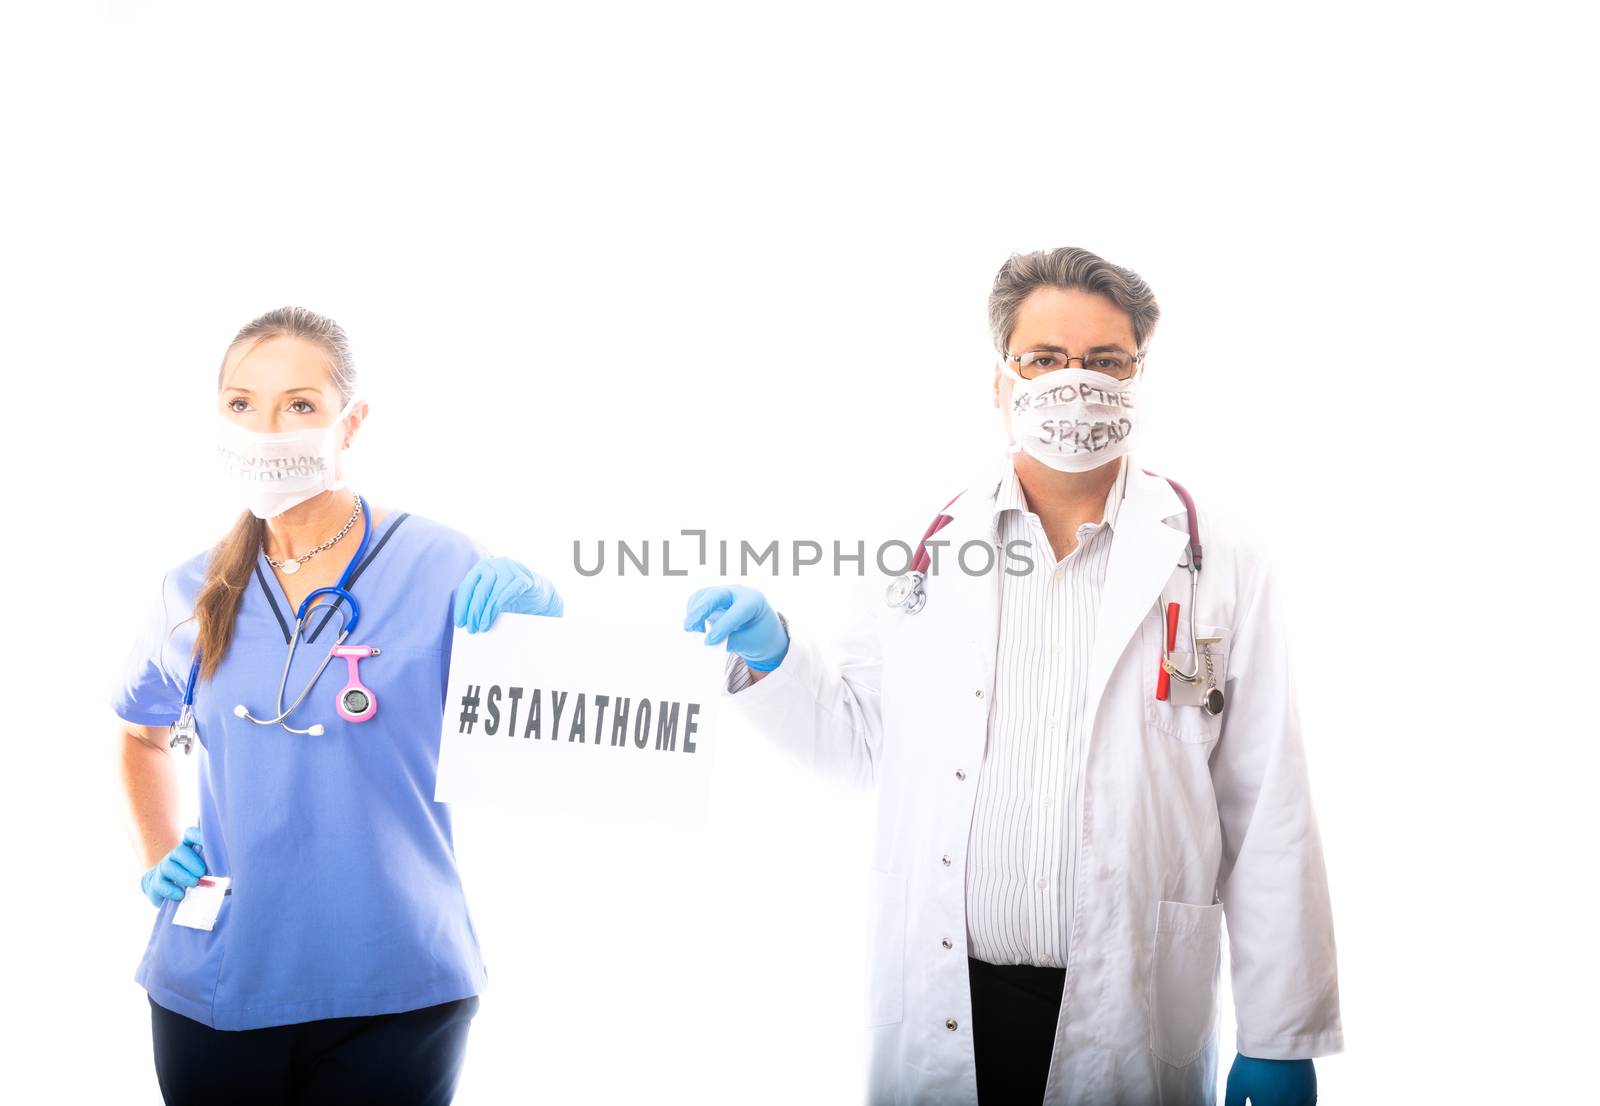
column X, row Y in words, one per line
column 201, row 904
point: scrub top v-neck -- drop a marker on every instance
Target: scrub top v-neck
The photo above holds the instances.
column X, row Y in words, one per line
column 345, row 900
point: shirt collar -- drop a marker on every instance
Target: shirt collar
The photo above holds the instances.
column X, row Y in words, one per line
column 1009, row 497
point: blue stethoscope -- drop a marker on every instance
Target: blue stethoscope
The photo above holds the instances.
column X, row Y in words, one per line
column 355, row 702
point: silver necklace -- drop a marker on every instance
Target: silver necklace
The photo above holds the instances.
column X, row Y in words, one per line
column 292, row 565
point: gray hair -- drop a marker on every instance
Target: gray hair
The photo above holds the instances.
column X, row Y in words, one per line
column 308, row 326
column 1069, row 267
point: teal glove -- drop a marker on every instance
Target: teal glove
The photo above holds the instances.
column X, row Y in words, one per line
column 744, row 619
column 178, row 871
column 498, row 584
column 1271, row 1082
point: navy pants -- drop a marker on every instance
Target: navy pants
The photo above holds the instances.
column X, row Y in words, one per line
column 1014, row 1011
column 407, row 1059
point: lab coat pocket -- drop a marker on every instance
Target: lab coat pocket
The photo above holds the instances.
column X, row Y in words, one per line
column 885, row 995
column 1186, row 722
column 1183, row 981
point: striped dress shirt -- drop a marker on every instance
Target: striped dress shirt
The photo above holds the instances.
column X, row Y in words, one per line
column 1025, row 825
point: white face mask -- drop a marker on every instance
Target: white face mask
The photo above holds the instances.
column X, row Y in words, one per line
column 273, row 472
column 1073, row 420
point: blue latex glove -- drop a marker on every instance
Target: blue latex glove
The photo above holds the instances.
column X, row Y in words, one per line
column 1271, row 1082
column 178, row 871
column 744, row 619
column 498, row 584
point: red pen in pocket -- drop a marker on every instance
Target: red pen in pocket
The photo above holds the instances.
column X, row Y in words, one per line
column 1163, row 680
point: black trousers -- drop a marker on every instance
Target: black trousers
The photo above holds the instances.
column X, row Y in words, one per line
column 407, row 1059
column 1014, row 1011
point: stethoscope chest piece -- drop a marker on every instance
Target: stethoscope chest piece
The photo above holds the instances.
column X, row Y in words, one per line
column 184, row 732
column 905, row 591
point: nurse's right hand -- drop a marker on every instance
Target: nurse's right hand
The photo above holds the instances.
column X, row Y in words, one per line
column 178, row 871
column 743, row 618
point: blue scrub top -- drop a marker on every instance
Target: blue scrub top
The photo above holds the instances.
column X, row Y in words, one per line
column 345, row 898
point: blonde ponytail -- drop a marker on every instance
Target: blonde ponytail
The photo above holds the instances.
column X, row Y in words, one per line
column 227, row 575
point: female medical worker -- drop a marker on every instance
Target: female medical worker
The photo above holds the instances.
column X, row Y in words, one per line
column 341, row 964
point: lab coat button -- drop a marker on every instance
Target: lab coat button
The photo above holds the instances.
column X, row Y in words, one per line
column 1041, row 885
column 946, row 859
column 979, row 693
column 947, row 943
column 950, row 1024
column 960, row 775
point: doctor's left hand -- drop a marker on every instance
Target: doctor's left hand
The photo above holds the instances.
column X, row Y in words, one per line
column 1271, row 1082
column 498, row 584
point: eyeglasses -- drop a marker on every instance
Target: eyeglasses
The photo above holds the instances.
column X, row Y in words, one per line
column 1040, row 361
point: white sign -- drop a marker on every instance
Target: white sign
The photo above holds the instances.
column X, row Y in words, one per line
column 561, row 713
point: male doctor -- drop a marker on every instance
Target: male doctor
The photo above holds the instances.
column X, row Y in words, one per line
column 1062, row 826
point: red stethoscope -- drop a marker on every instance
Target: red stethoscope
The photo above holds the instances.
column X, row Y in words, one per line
column 908, row 592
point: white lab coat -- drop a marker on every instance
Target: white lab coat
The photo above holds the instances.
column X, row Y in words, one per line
column 1186, row 818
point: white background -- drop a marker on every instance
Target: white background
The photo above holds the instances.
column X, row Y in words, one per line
column 614, row 271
